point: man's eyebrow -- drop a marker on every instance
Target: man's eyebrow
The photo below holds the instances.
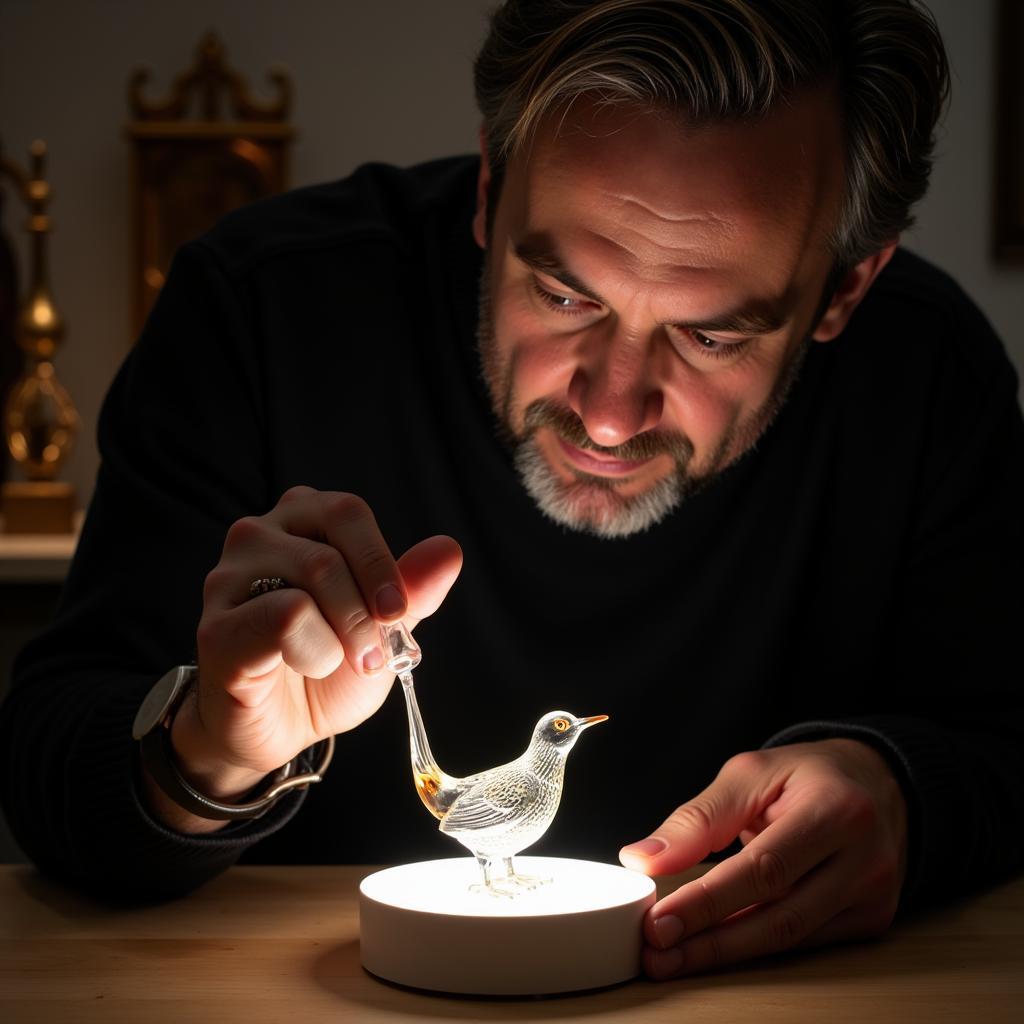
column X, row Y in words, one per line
column 542, row 257
column 754, row 317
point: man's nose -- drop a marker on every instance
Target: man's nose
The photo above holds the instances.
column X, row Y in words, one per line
column 612, row 390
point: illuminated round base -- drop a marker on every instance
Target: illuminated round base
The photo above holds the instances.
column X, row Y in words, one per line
column 421, row 925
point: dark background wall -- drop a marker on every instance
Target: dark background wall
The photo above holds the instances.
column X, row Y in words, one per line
column 388, row 80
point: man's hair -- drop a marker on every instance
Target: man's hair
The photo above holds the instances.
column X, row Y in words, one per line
column 719, row 60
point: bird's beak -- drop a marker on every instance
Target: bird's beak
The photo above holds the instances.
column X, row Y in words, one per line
column 592, row 720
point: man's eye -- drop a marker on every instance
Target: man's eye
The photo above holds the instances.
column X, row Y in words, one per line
column 706, row 343
column 561, row 303
column 713, row 347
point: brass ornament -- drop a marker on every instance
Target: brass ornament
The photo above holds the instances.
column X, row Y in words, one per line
column 40, row 420
column 210, row 78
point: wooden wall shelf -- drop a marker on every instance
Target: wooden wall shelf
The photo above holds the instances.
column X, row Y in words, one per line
column 37, row 557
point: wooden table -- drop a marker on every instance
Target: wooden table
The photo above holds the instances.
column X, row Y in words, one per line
column 281, row 944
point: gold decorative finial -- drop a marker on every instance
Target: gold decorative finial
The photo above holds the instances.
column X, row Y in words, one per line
column 40, row 421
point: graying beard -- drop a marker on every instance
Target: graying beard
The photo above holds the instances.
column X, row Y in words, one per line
column 559, row 502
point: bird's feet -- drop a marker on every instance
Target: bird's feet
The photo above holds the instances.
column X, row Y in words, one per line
column 497, row 889
column 510, row 886
column 522, row 881
column 527, row 881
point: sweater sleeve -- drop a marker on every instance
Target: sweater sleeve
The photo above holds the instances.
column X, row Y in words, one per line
column 949, row 700
column 182, row 452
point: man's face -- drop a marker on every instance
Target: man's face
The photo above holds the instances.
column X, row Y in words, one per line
column 649, row 291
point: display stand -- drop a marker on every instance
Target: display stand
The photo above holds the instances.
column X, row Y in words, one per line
column 422, row 925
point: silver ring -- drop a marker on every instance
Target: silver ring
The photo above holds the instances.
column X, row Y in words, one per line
column 265, row 584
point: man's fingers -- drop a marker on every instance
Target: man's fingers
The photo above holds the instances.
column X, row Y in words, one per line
column 765, row 929
column 764, row 870
column 335, row 551
column 252, row 640
column 345, row 523
column 327, row 545
column 429, row 569
column 308, row 565
column 710, row 821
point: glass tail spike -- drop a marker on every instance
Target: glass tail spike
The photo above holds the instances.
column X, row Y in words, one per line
column 401, row 653
column 497, row 813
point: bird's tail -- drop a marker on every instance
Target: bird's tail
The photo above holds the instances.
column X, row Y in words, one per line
column 434, row 787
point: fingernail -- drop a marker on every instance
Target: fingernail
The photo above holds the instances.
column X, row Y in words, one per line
column 668, row 930
column 373, row 660
column 647, row 847
column 390, row 601
column 666, row 963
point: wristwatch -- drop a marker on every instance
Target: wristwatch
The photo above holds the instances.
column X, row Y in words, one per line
column 152, row 728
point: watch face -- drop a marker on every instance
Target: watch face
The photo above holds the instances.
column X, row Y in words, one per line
column 160, row 699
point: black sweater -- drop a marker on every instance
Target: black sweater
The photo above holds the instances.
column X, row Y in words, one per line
column 859, row 573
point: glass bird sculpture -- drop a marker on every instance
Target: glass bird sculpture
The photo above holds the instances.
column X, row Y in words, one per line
column 497, row 813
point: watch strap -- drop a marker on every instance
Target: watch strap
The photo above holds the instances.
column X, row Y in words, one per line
column 158, row 757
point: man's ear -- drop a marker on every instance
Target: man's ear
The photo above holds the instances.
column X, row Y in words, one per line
column 483, row 184
column 853, row 287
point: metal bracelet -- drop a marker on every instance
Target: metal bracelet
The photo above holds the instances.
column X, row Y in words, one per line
column 281, row 782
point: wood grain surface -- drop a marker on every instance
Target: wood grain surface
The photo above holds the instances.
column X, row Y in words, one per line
column 281, row 944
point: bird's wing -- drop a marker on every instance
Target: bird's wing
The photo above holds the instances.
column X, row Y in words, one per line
column 496, row 798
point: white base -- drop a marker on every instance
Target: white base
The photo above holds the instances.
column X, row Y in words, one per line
column 420, row 925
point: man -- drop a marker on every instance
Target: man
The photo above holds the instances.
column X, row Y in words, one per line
column 738, row 473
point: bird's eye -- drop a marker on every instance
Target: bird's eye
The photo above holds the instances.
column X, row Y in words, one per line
column 560, row 724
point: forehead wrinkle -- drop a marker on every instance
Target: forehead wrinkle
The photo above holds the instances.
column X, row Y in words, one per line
column 652, row 238
column 618, row 260
column 652, row 259
column 643, row 234
column 707, row 217
column 638, row 273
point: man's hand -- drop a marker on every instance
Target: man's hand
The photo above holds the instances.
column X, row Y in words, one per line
column 282, row 670
column 825, row 834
